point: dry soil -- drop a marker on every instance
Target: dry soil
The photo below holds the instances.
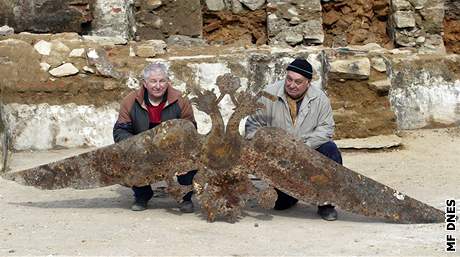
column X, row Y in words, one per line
column 99, row 222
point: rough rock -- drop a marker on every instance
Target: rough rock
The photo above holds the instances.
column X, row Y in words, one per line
column 45, row 66
column 401, row 5
column 106, row 41
column 6, row 31
column 236, row 5
column 15, row 55
column 287, row 19
column 381, row 86
column 374, row 142
column 355, row 68
column 150, row 48
column 77, row 53
column 113, row 18
column 64, row 70
column 43, row 47
column 312, row 32
column 99, row 59
column 151, row 5
column 275, row 25
column 215, row 5
column 253, row 4
column 185, row 41
column 292, row 38
column 58, row 55
column 163, row 22
column 432, row 19
column 404, row 19
column 44, row 16
column 378, row 64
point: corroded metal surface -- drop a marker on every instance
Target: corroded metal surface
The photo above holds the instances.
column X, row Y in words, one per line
column 154, row 155
column 304, row 173
column 225, row 160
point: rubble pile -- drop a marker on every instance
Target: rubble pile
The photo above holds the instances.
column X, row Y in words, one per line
column 356, row 22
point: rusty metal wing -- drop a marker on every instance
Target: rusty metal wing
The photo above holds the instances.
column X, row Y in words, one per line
column 154, row 155
column 287, row 164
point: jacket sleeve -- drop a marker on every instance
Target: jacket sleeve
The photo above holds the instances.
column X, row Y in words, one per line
column 123, row 127
column 257, row 120
column 325, row 128
column 187, row 110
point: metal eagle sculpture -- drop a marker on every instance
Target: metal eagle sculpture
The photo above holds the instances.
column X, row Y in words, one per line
column 224, row 160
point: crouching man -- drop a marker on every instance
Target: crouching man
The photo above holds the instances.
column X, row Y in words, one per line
column 306, row 113
column 156, row 101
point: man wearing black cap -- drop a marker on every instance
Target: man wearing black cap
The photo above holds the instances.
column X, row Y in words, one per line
column 304, row 112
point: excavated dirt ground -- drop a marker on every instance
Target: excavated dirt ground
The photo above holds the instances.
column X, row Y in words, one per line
column 452, row 36
column 99, row 222
column 356, row 22
column 228, row 28
column 359, row 111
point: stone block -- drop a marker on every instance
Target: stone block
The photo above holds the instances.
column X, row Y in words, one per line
column 354, row 68
column 42, row 16
column 381, row 86
column 432, row 20
column 164, row 22
column 404, row 19
column 6, row 31
column 113, row 18
column 401, row 5
column 253, row 4
column 64, row 70
column 378, row 64
column 150, row 48
column 215, row 5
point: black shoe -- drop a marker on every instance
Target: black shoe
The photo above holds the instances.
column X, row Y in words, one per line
column 139, row 206
column 327, row 212
column 186, row 207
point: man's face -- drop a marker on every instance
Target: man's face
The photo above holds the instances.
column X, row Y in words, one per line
column 156, row 84
column 295, row 84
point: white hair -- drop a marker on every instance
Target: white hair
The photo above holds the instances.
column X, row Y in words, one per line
column 155, row 67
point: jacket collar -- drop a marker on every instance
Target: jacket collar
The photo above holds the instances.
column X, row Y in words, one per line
column 172, row 95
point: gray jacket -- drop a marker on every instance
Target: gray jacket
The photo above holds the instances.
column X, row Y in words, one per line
column 314, row 123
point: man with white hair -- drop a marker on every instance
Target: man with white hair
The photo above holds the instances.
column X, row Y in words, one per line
column 156, row 101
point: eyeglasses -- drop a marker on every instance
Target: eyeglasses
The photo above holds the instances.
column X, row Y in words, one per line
column 162, row 82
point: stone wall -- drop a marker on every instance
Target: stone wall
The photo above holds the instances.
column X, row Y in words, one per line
column 63, row 90
column 77, row 105
column 426, row 91
column 338, row 23
column 417, row 23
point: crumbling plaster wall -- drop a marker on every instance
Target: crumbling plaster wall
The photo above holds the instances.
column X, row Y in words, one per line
column 74, row 85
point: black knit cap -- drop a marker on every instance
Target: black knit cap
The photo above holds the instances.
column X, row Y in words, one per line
column 301, row 66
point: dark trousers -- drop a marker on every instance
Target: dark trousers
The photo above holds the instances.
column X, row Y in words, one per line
column 331, row 151
column 145, row 193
